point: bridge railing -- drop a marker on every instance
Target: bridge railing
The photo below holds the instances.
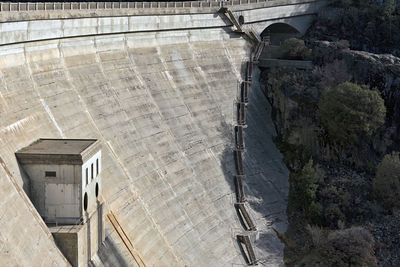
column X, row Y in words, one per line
column 35, row 6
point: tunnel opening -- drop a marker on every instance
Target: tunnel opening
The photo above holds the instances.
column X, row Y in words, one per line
column 277, row 33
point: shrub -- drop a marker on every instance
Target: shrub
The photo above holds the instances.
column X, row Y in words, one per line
column 349, row 112
column 314, row 213
column 306, row 185
column 316, row 234
column 349, row 247
column 334, row 215
column 294, row 48
column 333, row 74
column 348, row 3
column 386, row 185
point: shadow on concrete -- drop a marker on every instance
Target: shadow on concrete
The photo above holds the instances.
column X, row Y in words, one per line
column 266, row 177
column 110, row 255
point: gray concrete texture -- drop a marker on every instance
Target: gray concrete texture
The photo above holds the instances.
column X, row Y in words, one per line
column 45, row 26
column 163, row 105
column 163, row 108
column 37, row 10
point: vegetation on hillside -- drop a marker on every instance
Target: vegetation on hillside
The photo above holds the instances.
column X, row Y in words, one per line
column 349, row 112
column 386, row 185
column 294, row 48
column 337, row 128
column 345, row 247
column 372, row 26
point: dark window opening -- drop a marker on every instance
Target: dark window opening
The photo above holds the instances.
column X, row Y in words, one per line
column 97, row 167
column 91, row 171
column 85, row 202
column 50, row 174
column 241, row 20
column 87, row 176
column 97, row 190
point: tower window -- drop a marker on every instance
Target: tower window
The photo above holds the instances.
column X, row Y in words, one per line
column 97, row 167
column 85, row 201
column 91, row 171
column 87, row 176
column 50, row 174
column 97, row 190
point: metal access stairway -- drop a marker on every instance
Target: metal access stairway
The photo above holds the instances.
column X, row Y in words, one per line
column 246, row 30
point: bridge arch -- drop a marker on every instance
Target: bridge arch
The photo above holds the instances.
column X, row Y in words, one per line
column 278, row 32
column 299, row 23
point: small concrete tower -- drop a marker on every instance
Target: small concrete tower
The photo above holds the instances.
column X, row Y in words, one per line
column 65, row 188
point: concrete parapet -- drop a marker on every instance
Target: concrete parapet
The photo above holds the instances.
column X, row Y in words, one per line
column 152, row 7
column 54, row 23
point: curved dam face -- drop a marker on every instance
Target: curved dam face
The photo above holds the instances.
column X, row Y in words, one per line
column 162, row 104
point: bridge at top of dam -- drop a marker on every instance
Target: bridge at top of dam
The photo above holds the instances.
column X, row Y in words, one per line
column 157, row 84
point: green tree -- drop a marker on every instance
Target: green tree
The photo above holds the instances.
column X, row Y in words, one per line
column 349, row 247
column 294, row 48
column 386, row 185
column 389, row 8
column 349, row 112
column 306, row 184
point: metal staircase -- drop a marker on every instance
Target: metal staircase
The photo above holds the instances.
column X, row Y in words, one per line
column 243, row 29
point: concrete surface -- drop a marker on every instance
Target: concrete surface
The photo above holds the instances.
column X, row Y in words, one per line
column 37, row 11
column 58, row 146
column 298, row 15
column 72, row 241
column 266, row 185
column 61, row 172
column 162, row 104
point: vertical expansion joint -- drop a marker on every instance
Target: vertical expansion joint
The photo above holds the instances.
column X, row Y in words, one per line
column 89, row 252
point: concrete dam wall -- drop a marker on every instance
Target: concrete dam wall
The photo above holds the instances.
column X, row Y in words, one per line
column 163, row 105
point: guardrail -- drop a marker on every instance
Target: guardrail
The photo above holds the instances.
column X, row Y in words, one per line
column 36, row 6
